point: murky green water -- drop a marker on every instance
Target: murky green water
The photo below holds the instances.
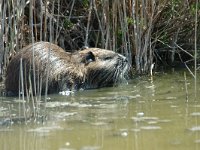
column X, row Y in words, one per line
column 144, row 115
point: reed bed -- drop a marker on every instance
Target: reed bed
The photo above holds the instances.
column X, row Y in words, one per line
column 148, row 32
column 143, row 30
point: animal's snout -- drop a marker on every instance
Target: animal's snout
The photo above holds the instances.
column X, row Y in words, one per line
column 123, row 57
column 125, row 60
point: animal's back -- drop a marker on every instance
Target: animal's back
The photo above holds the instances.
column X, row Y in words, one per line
column 46, row 55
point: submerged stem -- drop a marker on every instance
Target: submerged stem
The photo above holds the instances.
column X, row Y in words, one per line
column 195, row 49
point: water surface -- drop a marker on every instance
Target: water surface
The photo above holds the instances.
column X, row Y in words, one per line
column 147, row 114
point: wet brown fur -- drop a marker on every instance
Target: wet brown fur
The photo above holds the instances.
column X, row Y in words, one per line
column 89, row 68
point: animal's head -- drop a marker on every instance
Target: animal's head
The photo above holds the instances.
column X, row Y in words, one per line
column 104, row 67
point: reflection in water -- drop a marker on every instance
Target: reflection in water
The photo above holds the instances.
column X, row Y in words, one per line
column 147, row 114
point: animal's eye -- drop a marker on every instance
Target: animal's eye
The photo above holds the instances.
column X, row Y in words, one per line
column 89, row 58
column 108, row 58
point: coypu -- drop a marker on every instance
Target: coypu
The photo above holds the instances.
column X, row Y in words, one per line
column 86, row 69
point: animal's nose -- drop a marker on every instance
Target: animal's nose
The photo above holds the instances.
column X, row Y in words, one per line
column 125, row 60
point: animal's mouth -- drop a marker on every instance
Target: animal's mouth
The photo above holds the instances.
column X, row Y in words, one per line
column 125, row 66
column 122, row 72
column 125, row 70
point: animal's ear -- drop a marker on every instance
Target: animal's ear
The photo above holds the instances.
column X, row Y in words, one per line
column 89, row 57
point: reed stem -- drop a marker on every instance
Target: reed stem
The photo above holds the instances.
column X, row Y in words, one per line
column 186, row 87
column 195, row 49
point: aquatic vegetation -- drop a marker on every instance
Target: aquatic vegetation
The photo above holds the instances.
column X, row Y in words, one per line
column 147, row 32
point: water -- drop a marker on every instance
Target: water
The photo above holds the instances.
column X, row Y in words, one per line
column 147, row 114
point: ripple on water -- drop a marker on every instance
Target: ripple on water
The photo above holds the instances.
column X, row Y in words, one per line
column 197, row 141
column 62, row 115
column 64, row 104
column 171, row 98
column 45, row 130
column 140, row 119
column 195, row 128
column 195, row 114
column 6, row 130
column 3, row 109
column 90, row 148
column 99, row 123
column 56, row 104
column 66, row 149
column 124, row 132
column 150, row 121
column 150, row 127
column 121, row 133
